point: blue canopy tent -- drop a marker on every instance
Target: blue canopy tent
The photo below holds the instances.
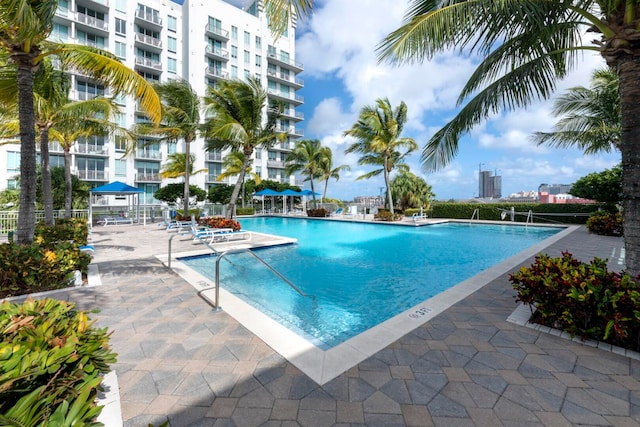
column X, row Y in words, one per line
column 266, row 192
column 119, row 189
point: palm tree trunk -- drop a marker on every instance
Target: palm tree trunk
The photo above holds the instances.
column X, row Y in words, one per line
column 187, row 165
column 28, row 175
column 628, row 70
column 324, row 193
column 236, row 189
column 387, row 182
column 68, row 183
column 45, row 170
column 313, row 194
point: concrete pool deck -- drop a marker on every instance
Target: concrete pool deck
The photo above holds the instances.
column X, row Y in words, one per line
column 178, row 360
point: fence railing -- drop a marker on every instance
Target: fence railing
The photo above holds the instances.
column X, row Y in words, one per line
column 9, row 219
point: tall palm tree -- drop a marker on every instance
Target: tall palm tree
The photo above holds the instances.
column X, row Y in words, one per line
column 235, row 110
column 527, row 46
column 411, row 191
column 590, row 117
column 377, row 133
column 306, row 158
column 327, row 169
column 180, row 120
column 232, row 164
column 24, row 28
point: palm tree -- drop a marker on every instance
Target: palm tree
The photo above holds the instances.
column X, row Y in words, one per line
column 236, row 122
column 176, row 166
column 377, row 133
column 527, row 46
column 306, row 158
column 24, row 28
column 590, row 116
column 411, row 191
column 180, row 120
column 327, row 169
column 233, row 165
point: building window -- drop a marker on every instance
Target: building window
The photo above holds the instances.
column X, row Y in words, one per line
column 172, row 147
column 89, row 39
column 121, row 167
column 234, row 33
column 172, row 65
column 258, row 77
column 247, row 39
column 121, row 26
column 258, row 42
column 121, row 50
column 121, row 6
column 172, row 23
column 272, row 174
column 88, row 90
column 172, row 44
column 259, row 170
column 121, row 119
column 12, row 184
column 247, row 58
column 258, row 61
column 121, row 144
column 13, row 162
column 272, row 156
column 247, row 74
column 234, row 72
column 234, row 52
column 63, row 7
column 258, row 153
column 60, row 32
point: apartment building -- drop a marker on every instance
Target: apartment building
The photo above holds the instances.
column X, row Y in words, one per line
column 200, row 41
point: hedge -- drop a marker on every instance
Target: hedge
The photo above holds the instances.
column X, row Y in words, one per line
column 493, row 211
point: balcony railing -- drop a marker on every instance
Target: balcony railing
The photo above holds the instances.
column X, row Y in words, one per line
column 154, row 155
column 217, row 31
column 222, row 53
column 148, row 177
column 213, row 71
column 214, row 178
column 149, row 63
column 152, row 41
column 149, row 17
column 284, row 60
column 275, row 164
column 91, row 149
column 92, row 175
column 214, row 157
column 92, row 22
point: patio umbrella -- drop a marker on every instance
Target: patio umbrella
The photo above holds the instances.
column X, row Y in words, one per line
column 266, row 192
column 289, row 192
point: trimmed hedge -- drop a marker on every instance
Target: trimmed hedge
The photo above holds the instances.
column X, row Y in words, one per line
column 493, row 211
column 245, row 211
column 51, row 364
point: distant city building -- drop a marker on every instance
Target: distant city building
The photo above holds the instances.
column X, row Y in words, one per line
column 562, row 198
column 523, row 197
column 555, row 188
column 368, row 200
column 489, row 186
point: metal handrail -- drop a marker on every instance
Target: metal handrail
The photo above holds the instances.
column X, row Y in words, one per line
column 475, row 214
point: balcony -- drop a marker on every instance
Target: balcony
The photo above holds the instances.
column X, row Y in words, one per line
column 149, row 42
column 101, row 150
column 148, row 63
column 91, row 22
column 274, row 58
column 296, row 99
column 286, row 78
column 216, row 73
column 214, row 157
column 148, row 177
column 213, row 179
column 92, row 175
column 275, row 164
column 216, row 52
column 293, row 114
column 148, row 19
column 291, row 130
column 217, row 33
column 152, row 155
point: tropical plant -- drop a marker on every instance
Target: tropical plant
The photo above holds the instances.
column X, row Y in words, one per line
column 176, row 166
column 605, row 186
column 328, row 170
column 235, row 111
column 411, row 191
column 377, row 133
column 79, row 190
column 590, row 116
column 232, row 164
column 24, row 28
column 527, row 46
column 306, row 158
column 220, row 193
column 172, row 192
column 180, row 120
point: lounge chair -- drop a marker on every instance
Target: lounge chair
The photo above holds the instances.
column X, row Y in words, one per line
column 337, row 212
column 226, row 235
column 207, row 233
column 179, row 225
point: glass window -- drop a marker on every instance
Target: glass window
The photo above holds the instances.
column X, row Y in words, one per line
column 60, row 32
column 172, row 23
column 247, row 39
column 63, row 7
column 121, row 5
column 12, row 184
column 247, row 58
column 121, row 119
column 121, row 167
column 172, row 44
column 234, row 72
column 121, row 50
column 215, row 25
column 121, row 144
column 172, row 147
column 259, row 170
column 234, row 33
column 272, row 173
column 13, row 162
column 258, row 42
column 247, row 74
column 234, row 52
column 121, row 26
column 172, row 65
column 258, row 61
column 272, row 155
column 258, row 153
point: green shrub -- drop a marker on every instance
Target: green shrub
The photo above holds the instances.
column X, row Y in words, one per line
column 493, row 211
column 245, row 211
column 582, row 299
column 220, row 222
column 51, row 362
column 74, row 229
column 605, row 223
column 411, row 211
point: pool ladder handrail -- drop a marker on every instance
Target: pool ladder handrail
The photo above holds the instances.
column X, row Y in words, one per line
column 476, row 215
column 221, row 255
column 211, row 248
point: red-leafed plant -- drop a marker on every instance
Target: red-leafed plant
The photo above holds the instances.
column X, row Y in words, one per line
column 220, row 222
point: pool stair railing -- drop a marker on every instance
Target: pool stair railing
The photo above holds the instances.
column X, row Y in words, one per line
column 475, row 215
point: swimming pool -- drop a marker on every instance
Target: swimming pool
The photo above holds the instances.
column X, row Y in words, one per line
column 360, row 274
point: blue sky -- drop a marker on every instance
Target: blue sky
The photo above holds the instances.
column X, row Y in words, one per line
column 337, row 48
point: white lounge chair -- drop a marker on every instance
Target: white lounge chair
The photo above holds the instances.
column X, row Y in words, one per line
column 226, row 235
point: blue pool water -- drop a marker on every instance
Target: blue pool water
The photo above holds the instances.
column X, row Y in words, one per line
column 360, row 274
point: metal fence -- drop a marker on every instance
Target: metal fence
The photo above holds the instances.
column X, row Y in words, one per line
column 9, row 219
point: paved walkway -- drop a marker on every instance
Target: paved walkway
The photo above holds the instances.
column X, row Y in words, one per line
column 180, row 361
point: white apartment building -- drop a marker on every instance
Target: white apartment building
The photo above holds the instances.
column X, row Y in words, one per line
column 202, row 41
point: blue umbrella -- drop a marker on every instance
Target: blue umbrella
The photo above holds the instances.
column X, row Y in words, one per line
column 309, row 193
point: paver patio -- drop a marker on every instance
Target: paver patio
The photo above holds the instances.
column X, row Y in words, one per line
column 180, row 361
